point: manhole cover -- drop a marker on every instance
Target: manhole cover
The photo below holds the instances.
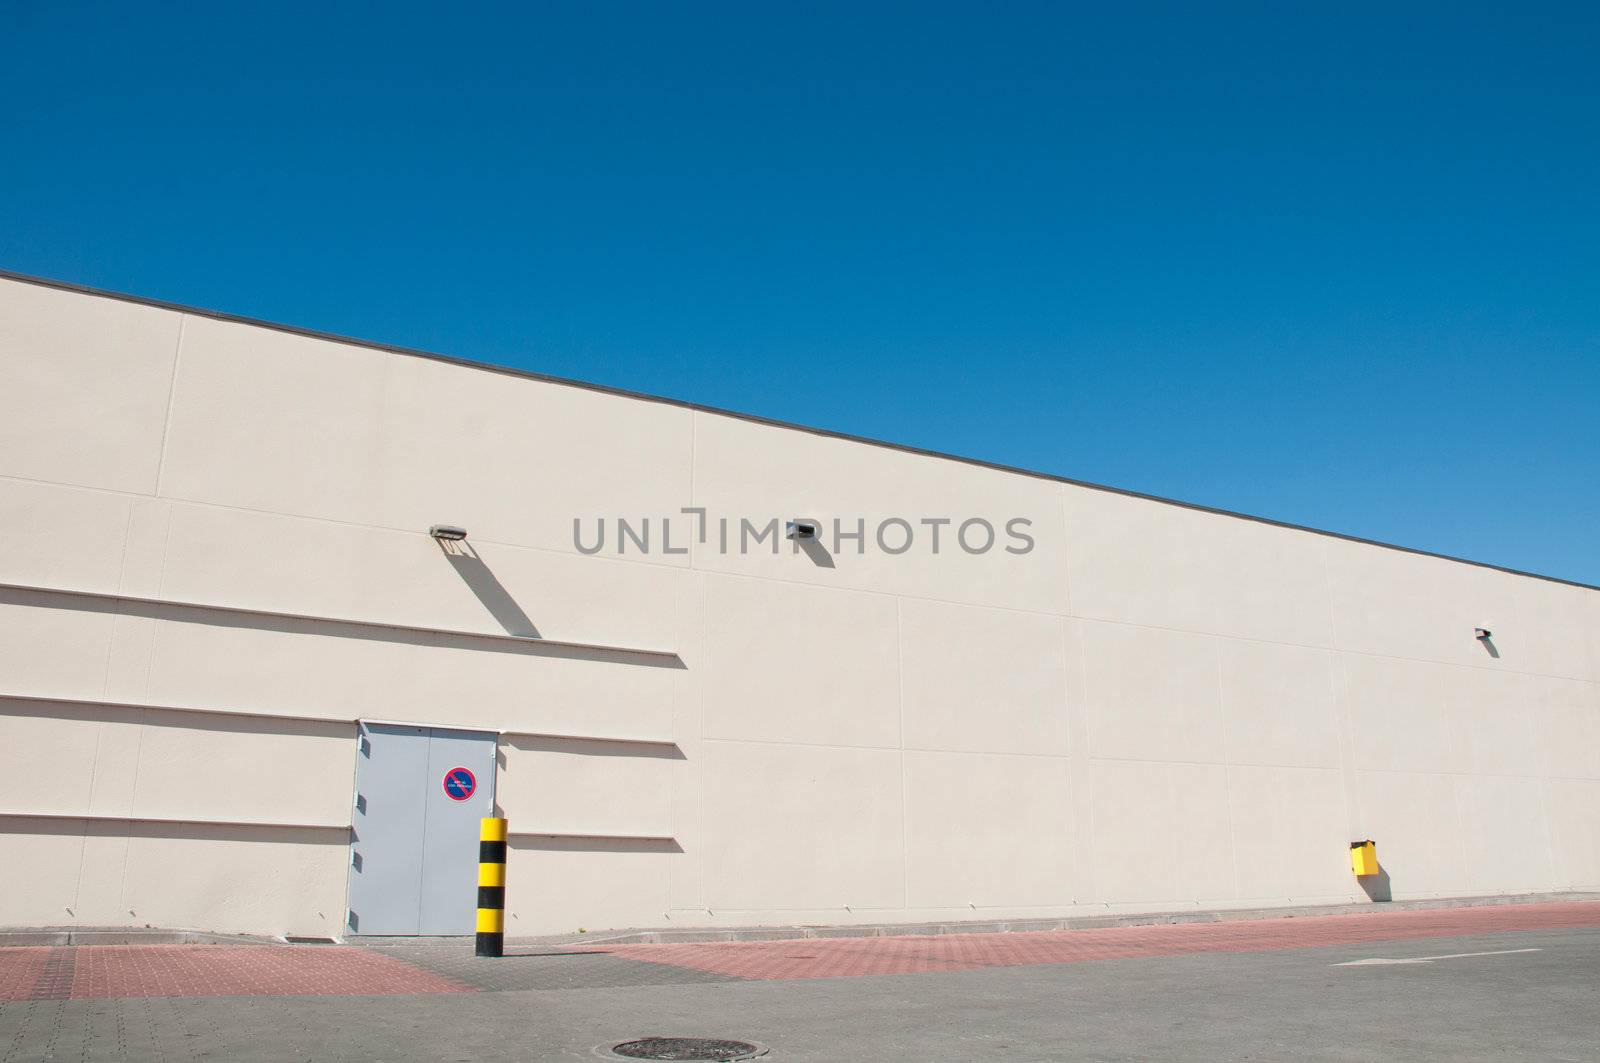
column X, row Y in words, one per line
column 687, row 1048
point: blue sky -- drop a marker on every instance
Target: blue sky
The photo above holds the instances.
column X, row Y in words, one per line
column 1336, row 266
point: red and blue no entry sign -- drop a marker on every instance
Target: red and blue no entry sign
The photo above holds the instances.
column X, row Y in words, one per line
column 460, row 784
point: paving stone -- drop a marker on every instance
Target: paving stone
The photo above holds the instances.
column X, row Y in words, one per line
column 87, row 972
column 530, row 970
column 1517, row 983
column 915, row 954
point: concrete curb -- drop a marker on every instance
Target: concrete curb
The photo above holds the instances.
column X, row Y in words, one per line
column 111, row 935
column 60, row 936
column 1012, row 926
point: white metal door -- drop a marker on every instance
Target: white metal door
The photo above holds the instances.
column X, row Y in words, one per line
column 420, row 792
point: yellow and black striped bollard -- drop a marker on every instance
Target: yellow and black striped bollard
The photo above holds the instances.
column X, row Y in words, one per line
column 492, row 887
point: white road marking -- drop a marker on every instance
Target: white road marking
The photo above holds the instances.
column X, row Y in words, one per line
column 1376, row 962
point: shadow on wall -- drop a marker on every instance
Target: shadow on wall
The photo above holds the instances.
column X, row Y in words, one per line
column 817, row 553
column 571, row 843
column 593, row 747
column 490, row 591
column 367, row 630
column 1377, row 887
column 176, row 830
column 177, row 719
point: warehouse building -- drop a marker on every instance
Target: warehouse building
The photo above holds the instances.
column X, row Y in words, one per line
column 283, row 615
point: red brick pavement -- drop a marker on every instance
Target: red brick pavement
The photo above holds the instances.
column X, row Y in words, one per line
column 99, row 971
column 851, row 957
column 19, row 970
column 92, row 972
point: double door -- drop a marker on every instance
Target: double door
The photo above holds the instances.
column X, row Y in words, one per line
column 420, row 792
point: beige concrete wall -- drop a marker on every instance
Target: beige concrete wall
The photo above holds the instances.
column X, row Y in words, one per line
column 1157, row 707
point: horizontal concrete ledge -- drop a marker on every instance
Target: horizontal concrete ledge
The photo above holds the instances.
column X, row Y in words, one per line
column 578, row 842
column 551, row 735
column 111, row 935
column 88, row 817
column 136, row 706
column 585, row 834
column 344, row 621
column 667, row 936
column 352, row 721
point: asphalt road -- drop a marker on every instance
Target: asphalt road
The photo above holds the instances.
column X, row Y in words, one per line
column 1288, row 1004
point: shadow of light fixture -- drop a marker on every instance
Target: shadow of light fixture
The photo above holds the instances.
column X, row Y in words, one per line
column 807, row 536
column 1486, row 638
column 482, row 582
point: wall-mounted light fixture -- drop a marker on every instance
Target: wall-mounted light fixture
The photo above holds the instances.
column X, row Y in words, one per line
column 800, row 530
column 447, row 531
column 1481, row 633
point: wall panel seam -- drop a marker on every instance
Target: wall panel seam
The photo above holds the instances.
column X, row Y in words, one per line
column 905, row 803
column 172, row 395
column 1227, row 770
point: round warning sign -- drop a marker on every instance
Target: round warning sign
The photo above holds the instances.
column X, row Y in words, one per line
column 460, row 784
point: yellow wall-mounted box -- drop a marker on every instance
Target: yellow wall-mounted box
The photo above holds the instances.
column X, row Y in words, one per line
column 1364, row 857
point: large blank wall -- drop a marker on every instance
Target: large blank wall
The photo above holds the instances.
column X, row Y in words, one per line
column 1156, row 708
